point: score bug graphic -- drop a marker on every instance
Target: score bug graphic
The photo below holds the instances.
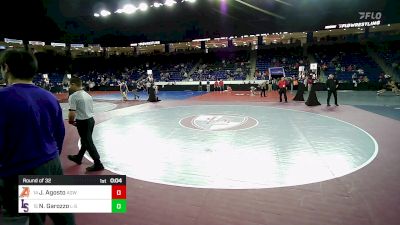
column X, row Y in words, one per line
column 116, row 180
column 119, row 192
column 25, row 192
column 118, row 198
column 72, row 194
column 24, row 206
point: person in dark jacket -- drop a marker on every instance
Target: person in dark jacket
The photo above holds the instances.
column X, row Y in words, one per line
column 263, row 87
column 152, row 95
column 282, row 84
column 332, row 85
column 31, row 133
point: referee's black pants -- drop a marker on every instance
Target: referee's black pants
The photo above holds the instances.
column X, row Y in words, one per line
column 85, row 130
column 330, row 92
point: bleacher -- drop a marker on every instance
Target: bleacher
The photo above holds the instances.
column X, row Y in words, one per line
column 55, row 79
column 174, row 67
column 344, row 60
column 289, row 58
column 390, row 53
column 226, row 65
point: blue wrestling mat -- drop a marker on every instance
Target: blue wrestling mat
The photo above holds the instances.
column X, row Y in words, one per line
column 162, row 95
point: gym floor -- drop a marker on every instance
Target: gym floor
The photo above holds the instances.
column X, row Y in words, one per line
column 200, row 158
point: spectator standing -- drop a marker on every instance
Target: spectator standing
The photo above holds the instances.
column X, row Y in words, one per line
column 216, row 85
column 31, row 133
column 221, row 85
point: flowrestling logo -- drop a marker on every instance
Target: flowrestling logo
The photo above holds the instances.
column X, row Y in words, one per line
column 370, row 15
column 218, row 122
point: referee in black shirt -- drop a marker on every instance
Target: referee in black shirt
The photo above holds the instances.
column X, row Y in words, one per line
column 81, row 115
column 332, row 85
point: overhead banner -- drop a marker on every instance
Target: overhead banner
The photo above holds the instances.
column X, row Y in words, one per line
column 199, row 40
column 77, row 46
column 145, row 43
column 352, row 25
column 15, row 41
column 41, row 43
column 149, row 43
column 55, row 44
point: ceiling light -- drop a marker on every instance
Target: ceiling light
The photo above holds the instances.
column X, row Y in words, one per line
column 170, row 2
column 156, row 4
column 129, row 9
column 104, row 13
column 143, row 6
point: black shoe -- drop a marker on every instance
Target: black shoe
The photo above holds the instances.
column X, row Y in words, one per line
column 75, row 159
column 328, row 105
column 336, row 104
column 95, row 167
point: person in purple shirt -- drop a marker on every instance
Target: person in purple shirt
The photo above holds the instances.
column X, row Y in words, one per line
column 31, row 133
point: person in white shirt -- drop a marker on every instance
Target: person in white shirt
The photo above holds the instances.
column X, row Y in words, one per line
column 81, row 115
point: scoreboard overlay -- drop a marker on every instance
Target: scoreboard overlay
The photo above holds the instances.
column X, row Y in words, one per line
column 72, row 194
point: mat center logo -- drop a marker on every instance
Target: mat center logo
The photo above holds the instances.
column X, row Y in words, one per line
column 218, row 122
